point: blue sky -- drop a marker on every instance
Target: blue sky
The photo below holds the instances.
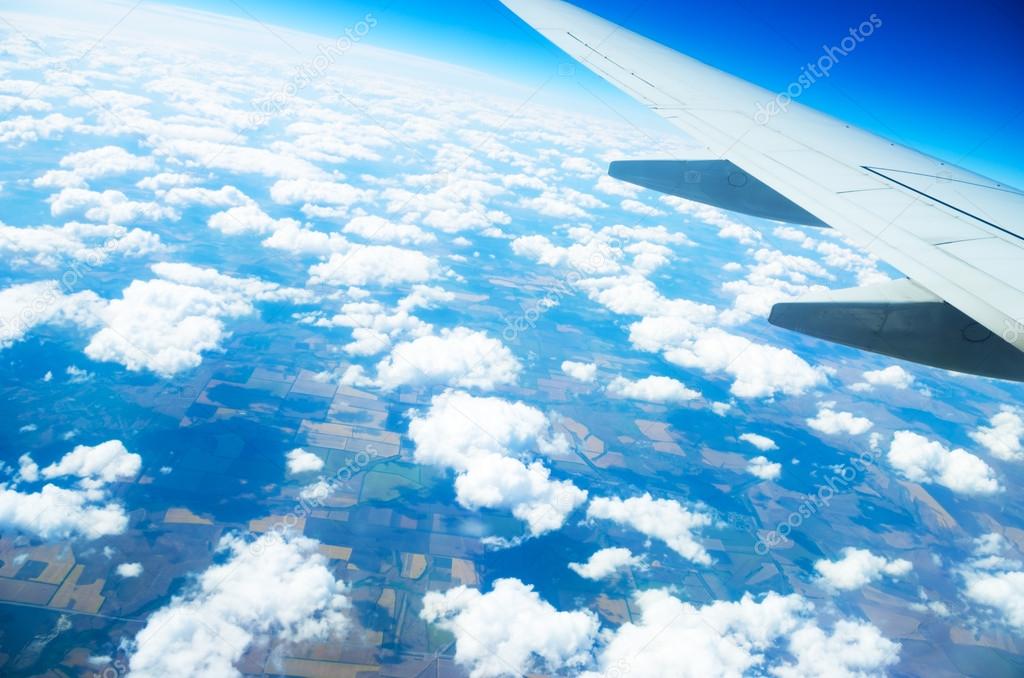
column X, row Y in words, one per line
column 944, row 78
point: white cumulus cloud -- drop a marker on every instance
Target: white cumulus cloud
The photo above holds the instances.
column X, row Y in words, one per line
column 858, row 568
column 456, row 357
column 301, row 461
column 663, row 519
column 584, row 372
column 1004, row 436
column 763, row 443
column 510, row 630
column 491, row 444
column 830, row 422
column 655, row 389
column 764, row 469
column 606, row 562
column 129, row 570
column 927, row 461
column 276, row 587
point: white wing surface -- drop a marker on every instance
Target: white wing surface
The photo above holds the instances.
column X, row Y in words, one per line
column 957, row 236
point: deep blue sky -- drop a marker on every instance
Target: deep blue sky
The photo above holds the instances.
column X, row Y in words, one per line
column 945, row 77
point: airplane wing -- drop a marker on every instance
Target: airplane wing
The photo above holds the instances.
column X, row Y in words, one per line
column 957, row 236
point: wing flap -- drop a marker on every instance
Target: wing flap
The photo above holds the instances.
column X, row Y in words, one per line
column 903, row 320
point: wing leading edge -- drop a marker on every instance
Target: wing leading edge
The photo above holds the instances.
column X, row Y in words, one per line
column 957, row 235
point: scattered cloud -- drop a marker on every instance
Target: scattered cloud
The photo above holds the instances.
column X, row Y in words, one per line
column 663, row 519
column 492, row 445
column 764, row 469
column 376, row 265
column 654, row 389
column 129, row 570
column 763, row 443
column 926, row 461
column 1004, row 436
column 995, row 581
column 858, row 568
column 606, row 562
column 301, row 461
column 456, row 357
column 165, row 324
column 378, row 229
column 205, row 630
column 830, row 422
column 893, row 376
column 583, row 372
column 54, row 512
column 776, row 635
column 490, row 643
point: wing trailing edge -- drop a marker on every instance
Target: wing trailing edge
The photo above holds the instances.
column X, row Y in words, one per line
column 903, row 320
column 719, row 183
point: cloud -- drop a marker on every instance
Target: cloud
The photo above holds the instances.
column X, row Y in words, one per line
column 759, row 370
column 858, row 568
column 375, row 327
column 830, row 422
column 24, row 307
column 491, row 643
column 747, row 637
column 311, row 191
column 57, row 513
column 563, row 203
column 773, row 277
column 925, row 461
column 1004, row 436
column 274, row 588
column 78, row 246
column 764, row 469
column 995, row 581
column 109, row 206
column 129, row 570
column 378, row 229
column 450, row 202
column 248, row 219
column 95, row 163
column 301, row 461
column 637, row 207
column 727, row 227
column 165, row 325
column 652, row 389
column 678, row 328
column 26, row 129
column 761, row 442
column 893, row 376
column 289, row 236
column 663, row 519
column 592, row 258
column 456, row 357
column 491, row 445
column 1002, row 591
column 235, row 158
column 98, row 465
column 54, row 512
column 583, row 167
column 377, row 265
column 606, row 562
column 584, row 372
